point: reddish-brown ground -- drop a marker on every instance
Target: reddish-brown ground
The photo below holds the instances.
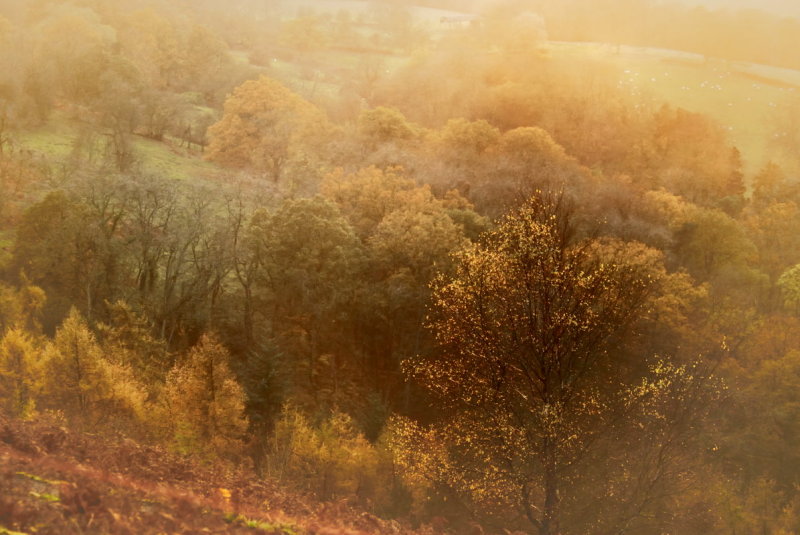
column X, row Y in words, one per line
column 54, row 481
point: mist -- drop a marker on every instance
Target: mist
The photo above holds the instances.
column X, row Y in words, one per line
column 403, row 268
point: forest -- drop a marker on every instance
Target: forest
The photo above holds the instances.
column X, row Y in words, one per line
column 416, row 268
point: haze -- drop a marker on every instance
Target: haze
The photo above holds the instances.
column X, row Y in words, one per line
column 349, row 268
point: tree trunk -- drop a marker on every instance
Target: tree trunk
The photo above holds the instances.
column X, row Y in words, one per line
column 550, row 513
column 248, row 316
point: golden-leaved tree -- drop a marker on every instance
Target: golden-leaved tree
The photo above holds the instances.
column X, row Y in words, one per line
column 206, row 402
column 550, row 424
column 21, row 308
column 82, row 382
column 266, row 127
column 333, row 460
column 20, row 373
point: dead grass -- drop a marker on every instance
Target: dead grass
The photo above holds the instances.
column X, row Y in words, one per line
column 54, row 481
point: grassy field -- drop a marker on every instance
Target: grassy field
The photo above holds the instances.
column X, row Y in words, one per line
column 422, row 14
column 55, row 141
column 746, row 100
column 168, row 160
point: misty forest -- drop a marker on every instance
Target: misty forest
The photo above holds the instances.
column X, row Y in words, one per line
column 351, row 267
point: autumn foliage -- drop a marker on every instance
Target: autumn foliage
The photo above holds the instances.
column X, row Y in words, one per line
column 280, row 268
column 266, row 127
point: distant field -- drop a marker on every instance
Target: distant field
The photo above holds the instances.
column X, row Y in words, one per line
column 424, row 14
column 161, row 158
column 787, row 8
column 55, row 140
column 745, row 99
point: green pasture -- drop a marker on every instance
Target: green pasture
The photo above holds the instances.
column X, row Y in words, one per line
column 356, row 7
column 167, row 159
column 54, row 142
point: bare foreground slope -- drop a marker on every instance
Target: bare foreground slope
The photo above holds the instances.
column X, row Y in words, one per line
column 54, row 481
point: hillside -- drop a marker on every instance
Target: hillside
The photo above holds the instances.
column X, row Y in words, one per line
column 57, row 481
column 56, row 143
column 344, row 267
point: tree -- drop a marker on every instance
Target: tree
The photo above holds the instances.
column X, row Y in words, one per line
column 535, row 386
column 303, row 34
column 87, row 387
column 529, row 159
column 308, row 277
column 384, row 125
column 467, row 140
column 206, row 61
column 367, row 196
column 517, row 33
column 409, row 235
column 59, row 248
column 20, row 180
column 127, row 340
column 21, row 308
column 789, row 283
column 266, row 127
column 772, row 185
column 74, row 46
column 693, row 157
column 20, row 373
column 758, row 444
column 118, row 112
column 408, row 247
column 154, row 45
column 178, row 256
column 206, row 402
column 463, row 151
column 160, row 112
column 710, row 243
column 332, row 461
